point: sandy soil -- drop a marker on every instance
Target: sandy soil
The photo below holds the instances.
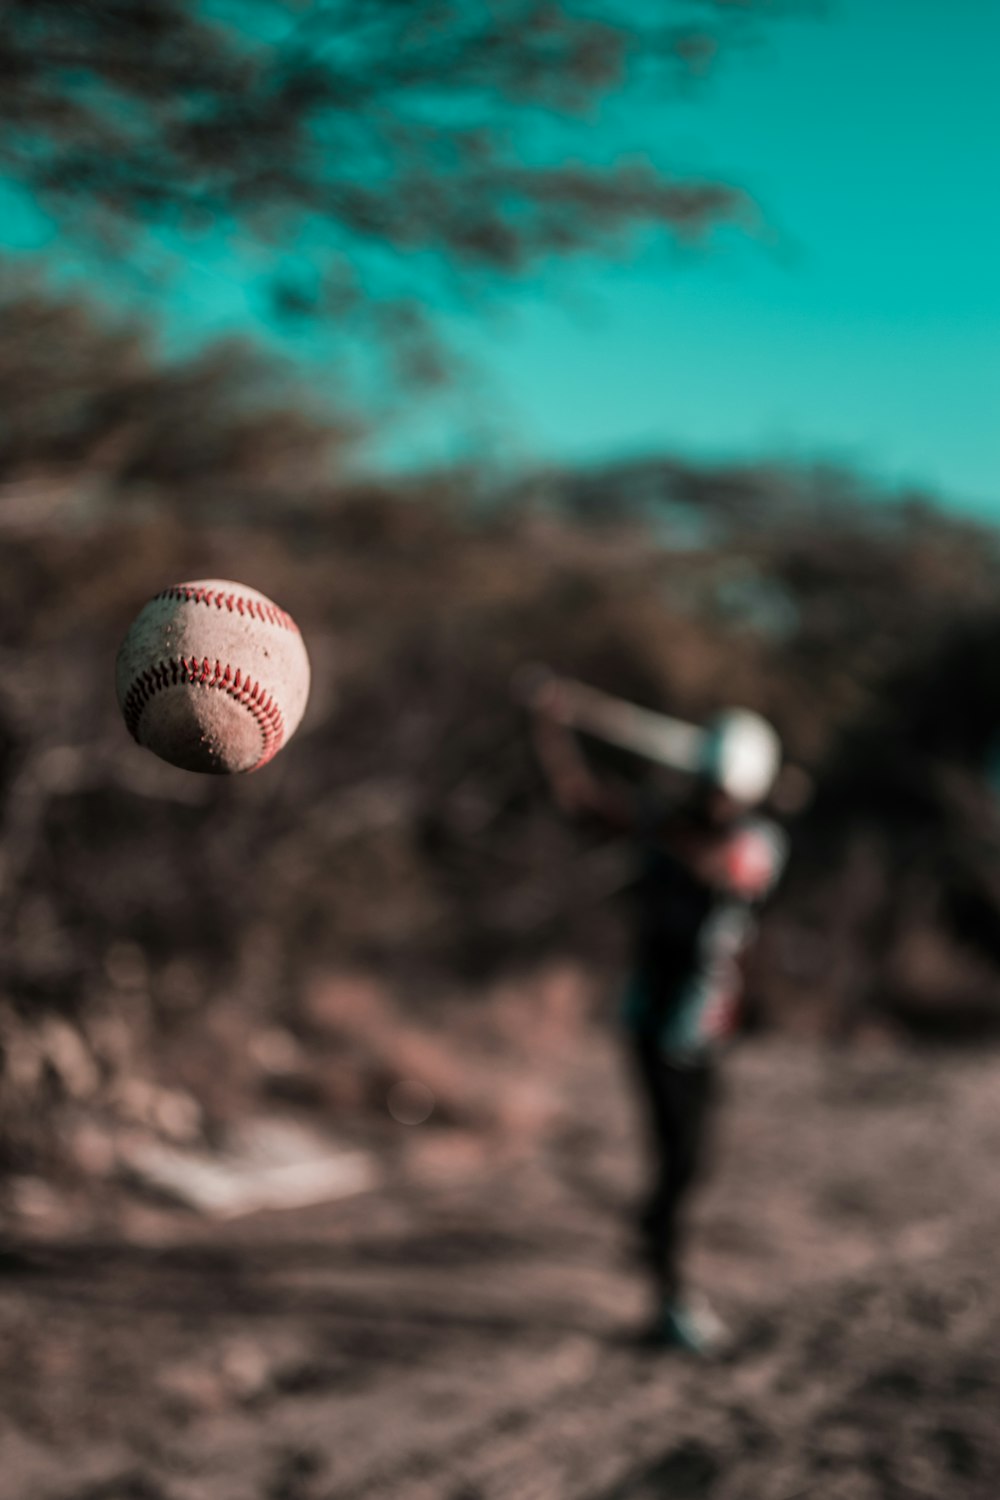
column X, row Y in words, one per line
column 465, row 1333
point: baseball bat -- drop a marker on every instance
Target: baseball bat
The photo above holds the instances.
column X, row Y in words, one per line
column 657, row 737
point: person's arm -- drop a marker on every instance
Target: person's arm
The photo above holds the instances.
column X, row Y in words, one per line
column 578, row 792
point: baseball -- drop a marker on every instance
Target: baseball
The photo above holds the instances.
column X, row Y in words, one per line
column 212, row 676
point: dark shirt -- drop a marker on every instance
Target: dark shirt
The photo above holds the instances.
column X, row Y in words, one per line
column 689, row 932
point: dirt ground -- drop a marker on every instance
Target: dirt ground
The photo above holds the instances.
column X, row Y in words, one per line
column 465, row 1332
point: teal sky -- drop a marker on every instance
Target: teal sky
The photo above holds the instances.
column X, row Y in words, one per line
column 864, row 328
column 869, row 333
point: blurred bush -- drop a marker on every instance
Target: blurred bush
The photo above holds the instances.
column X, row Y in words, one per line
column 375, row 154
column 165, row 937
column 90, row 403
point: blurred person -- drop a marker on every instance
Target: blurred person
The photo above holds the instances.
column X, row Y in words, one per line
column 706, row 861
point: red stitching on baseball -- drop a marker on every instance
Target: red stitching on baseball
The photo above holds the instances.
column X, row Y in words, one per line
column 250, row 695
column 257, row 609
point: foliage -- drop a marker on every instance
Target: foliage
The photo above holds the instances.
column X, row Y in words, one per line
column 376, row 145
column 90, row 402
column 164, row 929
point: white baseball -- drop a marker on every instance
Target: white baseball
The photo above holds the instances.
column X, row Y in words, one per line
column 212, row 677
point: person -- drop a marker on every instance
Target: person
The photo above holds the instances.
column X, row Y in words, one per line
column 706, row 862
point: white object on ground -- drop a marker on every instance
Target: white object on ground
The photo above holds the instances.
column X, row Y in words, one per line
column 269, row 1163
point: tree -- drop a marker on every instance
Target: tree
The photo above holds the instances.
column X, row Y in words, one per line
column 392, row 142
column 85, row 400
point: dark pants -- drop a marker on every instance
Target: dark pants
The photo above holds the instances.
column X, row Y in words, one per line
column 678, row 1108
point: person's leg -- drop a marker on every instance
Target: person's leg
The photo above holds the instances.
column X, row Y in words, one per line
column 687, row 1095
column 678, row 1106
column 657, row 1118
